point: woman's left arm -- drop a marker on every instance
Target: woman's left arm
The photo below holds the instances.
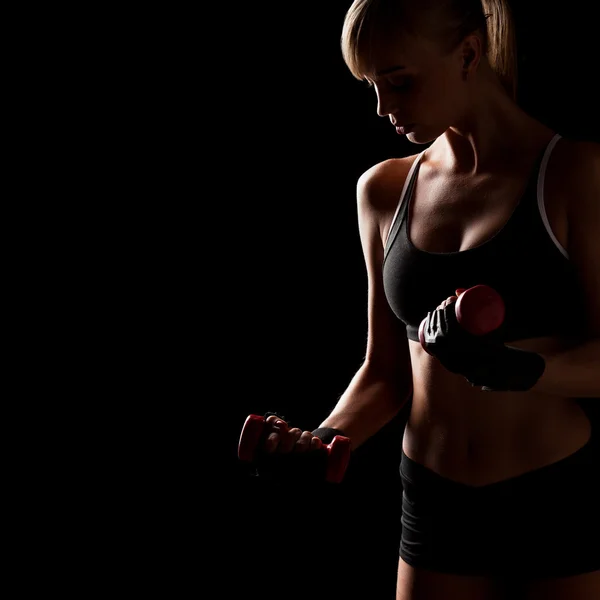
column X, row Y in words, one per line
column 576, row 372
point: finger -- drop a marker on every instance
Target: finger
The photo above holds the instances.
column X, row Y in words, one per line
column 304, row 442
column 460, row 291
column 281, row 425
column 289, row 439
column 275, row 425
column 272, row 441
column 449, row 322
column 316, row 443
column 275, row 421
column 447, row 301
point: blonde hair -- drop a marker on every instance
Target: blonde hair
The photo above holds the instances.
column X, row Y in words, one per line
column 447, row 22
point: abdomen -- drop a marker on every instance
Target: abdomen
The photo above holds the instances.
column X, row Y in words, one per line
column 478, row 437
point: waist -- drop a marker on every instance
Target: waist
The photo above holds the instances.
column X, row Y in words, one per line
column 478, row 437
column 482, row 457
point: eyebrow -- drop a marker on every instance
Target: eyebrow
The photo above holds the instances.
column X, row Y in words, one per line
column 390, row 70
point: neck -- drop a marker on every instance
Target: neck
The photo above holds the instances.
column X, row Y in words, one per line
column 493, row 125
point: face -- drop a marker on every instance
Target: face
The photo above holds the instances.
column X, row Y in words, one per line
column 417, row 86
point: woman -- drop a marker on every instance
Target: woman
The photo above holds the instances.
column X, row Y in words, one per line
column 498, row 459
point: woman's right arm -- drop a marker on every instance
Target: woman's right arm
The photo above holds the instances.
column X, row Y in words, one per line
column 383, row 383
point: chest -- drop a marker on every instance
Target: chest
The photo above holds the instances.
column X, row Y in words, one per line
column 453, row 214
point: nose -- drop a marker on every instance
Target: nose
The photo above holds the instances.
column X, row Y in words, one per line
column 384, row 104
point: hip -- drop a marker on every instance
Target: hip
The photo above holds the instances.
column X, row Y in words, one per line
column 543, row 523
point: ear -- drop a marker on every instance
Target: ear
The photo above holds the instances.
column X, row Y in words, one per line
column 471, row 51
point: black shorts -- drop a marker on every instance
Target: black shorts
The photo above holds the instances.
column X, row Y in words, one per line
column 544, row 523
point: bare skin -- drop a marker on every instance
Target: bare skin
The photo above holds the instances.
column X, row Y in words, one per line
column 457, row 430
column 469, row 181
column 449, row 427
column 454, row 429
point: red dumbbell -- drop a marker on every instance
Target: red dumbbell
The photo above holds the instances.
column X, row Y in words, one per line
column 479, row 310
column 336, row 453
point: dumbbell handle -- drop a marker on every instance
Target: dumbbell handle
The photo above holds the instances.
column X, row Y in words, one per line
column 336, row 454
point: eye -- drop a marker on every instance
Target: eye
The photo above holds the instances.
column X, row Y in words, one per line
column 400, row 86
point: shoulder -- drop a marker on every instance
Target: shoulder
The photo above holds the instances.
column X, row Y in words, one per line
column 380, row 186
column 582, row 176
column 577, row 175
column 578, row 163
column 572, row 175
column 584, row 163
column 379, row 190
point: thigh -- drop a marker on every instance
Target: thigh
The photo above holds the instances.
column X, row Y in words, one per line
column 575, row 587
column 423, row 584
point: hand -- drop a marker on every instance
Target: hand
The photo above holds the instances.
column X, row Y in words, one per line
column 293, row 455
column 483, row 360
column 284, row 453
column 283, row 440
column 442, row 336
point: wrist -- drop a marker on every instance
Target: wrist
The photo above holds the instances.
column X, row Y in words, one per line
column 527, row 369
column 326, row 434
column 514, row 370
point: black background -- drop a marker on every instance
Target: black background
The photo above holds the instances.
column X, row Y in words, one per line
column 248, row 288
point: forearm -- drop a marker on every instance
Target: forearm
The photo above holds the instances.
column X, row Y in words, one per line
column 371, row 401
column 573, row 373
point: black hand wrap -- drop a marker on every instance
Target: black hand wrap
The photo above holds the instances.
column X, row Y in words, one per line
column 483, row 360
column 326, row 434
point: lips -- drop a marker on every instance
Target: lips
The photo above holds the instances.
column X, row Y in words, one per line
column 402, row 129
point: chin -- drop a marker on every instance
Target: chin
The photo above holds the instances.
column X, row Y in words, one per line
column 420, row 138
column 425, row 135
